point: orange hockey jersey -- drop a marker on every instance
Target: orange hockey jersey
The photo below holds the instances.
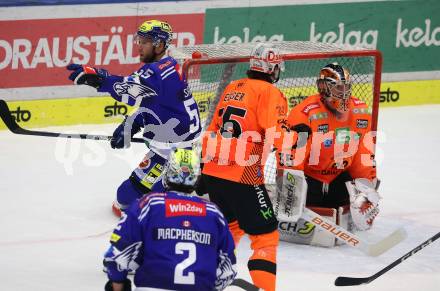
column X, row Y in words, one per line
column 234, row 146
column 334, row 145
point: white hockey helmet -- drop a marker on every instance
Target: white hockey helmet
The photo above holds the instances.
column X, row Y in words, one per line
column 265, row 57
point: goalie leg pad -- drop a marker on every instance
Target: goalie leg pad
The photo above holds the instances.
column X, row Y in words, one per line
column 304, row 232
column 290, row 197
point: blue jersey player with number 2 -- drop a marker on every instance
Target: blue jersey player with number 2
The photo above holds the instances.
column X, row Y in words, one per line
column 172, row 241
column 167, row 111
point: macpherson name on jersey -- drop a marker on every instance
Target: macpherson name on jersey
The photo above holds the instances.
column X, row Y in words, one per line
column 179, row 234
column 176, row 207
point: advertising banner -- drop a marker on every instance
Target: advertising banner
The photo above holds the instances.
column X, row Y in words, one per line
column 406, row 32
column 34, row 53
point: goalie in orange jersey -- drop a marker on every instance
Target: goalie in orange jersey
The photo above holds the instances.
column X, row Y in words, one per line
column 233, row 151
column 338, row 156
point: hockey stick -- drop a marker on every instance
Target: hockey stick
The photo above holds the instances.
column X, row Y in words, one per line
column 243, row 284
column 352, row 240
column 13, row 126
column 350, row 281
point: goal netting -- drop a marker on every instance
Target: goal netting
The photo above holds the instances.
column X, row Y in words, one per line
column 209, row 68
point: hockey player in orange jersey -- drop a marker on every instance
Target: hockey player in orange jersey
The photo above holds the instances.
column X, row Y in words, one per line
column 339, row 147
column 234, row 152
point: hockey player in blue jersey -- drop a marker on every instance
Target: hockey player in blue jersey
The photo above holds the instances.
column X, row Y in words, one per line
column 167, row 110
column 172, row 241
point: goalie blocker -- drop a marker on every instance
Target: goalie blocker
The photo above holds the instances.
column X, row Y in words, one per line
column 289, row 201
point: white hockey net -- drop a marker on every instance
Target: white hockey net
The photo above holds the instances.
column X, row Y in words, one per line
column 215, row 66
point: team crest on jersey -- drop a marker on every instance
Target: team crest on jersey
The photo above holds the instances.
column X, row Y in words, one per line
column 361, row 123
column 180, row 207
column 309, row 107
column 126, row 258
column 133, row 90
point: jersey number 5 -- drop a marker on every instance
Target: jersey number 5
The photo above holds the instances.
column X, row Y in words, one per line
column 179, row 277
column 231, row 127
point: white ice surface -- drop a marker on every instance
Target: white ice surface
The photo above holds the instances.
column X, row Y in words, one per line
column 55, row 218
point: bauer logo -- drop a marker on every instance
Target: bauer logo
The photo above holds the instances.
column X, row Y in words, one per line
column 177, row 207
column 115, row 110
column 21, row 115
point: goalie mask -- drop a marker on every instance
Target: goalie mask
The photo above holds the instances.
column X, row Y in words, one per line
column 155, row 30
column 182, row 171
column 334, row 85
column 266, row 58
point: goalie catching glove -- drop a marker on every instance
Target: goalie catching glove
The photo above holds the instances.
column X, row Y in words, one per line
column 85, row 75
column 364, row 202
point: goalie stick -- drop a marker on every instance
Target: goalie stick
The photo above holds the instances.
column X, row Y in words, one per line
column 352, row 281
column 371, row 249
column 13, row 126
column 243, row 284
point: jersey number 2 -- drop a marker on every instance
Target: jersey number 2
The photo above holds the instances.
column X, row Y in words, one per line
column 179, row 277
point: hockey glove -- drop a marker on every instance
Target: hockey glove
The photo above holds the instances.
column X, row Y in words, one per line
column 364, row 202
column 124, row 132
column 85, row 75
column 126, row 285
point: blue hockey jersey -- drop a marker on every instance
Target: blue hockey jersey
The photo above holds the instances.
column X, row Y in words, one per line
column 167, row 110
column 175, row 242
